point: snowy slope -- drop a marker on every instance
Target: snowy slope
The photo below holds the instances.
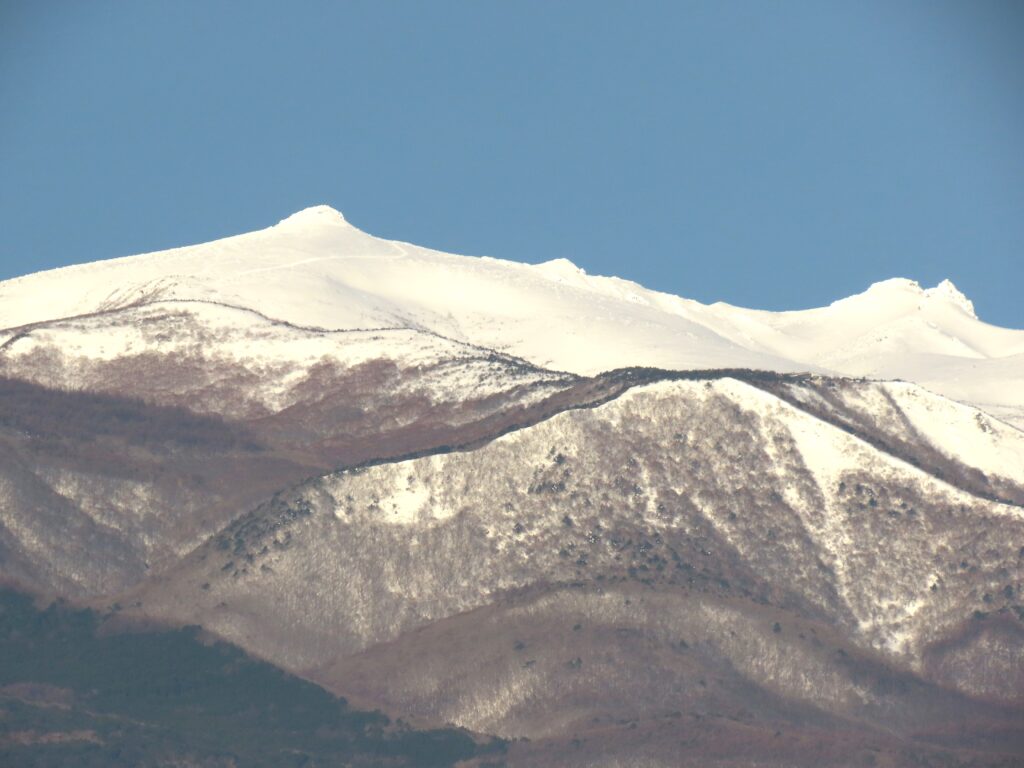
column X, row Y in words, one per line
column 234, row 362
column 316, row 270
column 670, row 480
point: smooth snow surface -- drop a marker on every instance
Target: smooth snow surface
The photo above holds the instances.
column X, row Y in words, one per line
column 314, row 269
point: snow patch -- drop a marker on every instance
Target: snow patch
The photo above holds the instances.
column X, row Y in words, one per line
column 961, row 432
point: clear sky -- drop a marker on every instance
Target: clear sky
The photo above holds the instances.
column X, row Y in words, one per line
column 768, row 154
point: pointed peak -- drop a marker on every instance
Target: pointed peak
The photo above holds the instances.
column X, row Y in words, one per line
column 562, row 271
column 893, row 288
column 946, row 290
column 561, row 266
column 315, row 215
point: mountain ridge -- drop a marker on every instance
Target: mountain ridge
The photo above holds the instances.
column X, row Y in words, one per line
column 707, row 523
column 552, row 314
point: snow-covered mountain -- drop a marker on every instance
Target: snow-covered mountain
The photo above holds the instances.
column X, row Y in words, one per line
column 316, row 271
column 710, row 545
column 616, row 526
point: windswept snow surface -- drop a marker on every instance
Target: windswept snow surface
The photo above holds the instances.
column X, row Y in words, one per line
column 316, row 270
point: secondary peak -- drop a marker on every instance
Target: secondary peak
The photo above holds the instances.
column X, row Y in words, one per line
column 946, row 290
column 899, row 288
column 561, row 266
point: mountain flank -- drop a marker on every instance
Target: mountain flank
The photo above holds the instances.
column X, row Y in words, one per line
column 447, row 508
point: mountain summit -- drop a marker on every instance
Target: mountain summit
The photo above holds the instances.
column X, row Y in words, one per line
column 900, row 289
column 316, row 215
column 314, row 269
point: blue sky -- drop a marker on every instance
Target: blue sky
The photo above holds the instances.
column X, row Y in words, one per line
column 768, row 154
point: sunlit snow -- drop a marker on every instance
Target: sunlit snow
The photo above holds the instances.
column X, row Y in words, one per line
column 316, row 270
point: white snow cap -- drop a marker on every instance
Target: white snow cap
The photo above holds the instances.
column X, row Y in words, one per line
column 316, row 270
column 314, row 216
column 562, row 265
column 946, row 290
